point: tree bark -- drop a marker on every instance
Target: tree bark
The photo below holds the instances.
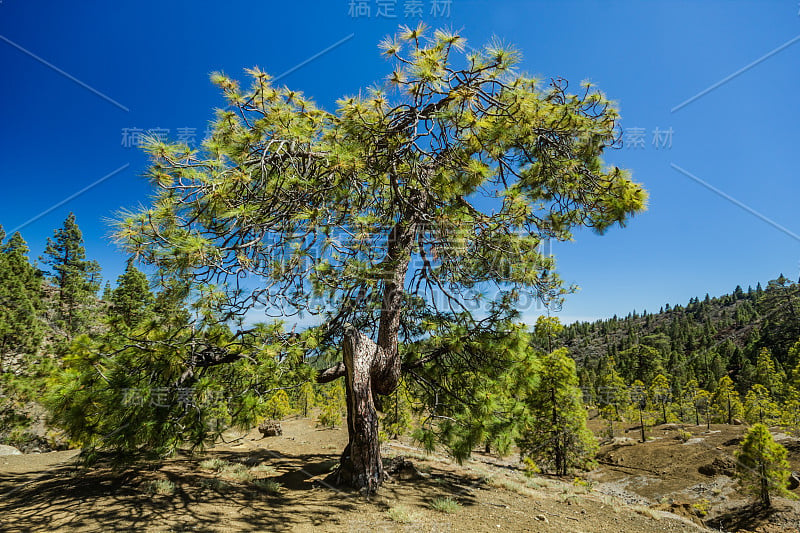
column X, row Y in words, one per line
column 360, row 466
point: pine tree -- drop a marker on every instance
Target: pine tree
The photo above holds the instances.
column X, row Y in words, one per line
column 639, row 402
column 131, row 301
column 554, row 435
column 726, row 403
column 703, row 405
column 762, row 466
column 660, row 394
column 759, row 405
column 21, row 299
column 613, row 397
column 77, row 279
column 690, row 392
column 766, row 373
column 305, row 398
column 396, row 418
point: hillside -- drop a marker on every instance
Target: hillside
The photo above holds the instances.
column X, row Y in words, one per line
column 704, row 339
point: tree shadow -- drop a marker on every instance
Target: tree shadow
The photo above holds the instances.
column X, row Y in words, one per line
column 107, row 499
column 746, row 517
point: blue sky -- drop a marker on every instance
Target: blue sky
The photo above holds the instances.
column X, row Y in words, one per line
column 76, row 75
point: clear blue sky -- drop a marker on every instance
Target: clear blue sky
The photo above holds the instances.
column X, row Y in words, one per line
column 58, row 135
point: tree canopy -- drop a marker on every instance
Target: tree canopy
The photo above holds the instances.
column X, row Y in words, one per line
column 411, row 216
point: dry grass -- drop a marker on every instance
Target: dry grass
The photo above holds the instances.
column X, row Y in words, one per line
column 400, row 514
column 273, row 488
column 445, row 505
column 163, row 487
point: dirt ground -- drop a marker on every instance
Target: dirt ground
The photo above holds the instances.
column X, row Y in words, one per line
column 686, row 477
column 45, row 492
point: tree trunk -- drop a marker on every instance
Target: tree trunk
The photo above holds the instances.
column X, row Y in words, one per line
column 361, row 467
column 373, row 369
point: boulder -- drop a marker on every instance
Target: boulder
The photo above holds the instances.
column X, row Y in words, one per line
column 9, row 450
column 270, row 428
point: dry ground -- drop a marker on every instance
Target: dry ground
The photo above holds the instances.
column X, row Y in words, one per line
column 45, row 492
column 684, row 477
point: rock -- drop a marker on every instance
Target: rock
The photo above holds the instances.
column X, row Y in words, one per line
column 720, row 466
column 9, row 450
column 541, row 518
column 794, row 480
column 402, row 468
column 737, row 422
column 270, row 428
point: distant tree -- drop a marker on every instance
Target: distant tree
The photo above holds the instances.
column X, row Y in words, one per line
column 641, row 362
column 277, row 405
column 726, row 402
column 76, row 279
column 762, row 466
column 766, row 373
column 21, row 299
column 759, row 405
column 703, row 405
column 689, row 396
column 660, row 394
column 613, row 397
column 397, row 415
column 638, row 392
column 132, row 299
column 554, row 435
column 306, row 398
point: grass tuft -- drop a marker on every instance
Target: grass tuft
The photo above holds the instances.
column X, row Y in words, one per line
column 445, row 505
column 400, row 514
column 273, row 488
column 236, row 472
column 163, row 487
column 213, row 464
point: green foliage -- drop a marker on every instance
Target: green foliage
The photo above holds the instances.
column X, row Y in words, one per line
column 759, row 405
column 554, row 433
column 660, row 395
column 726, row 403
column 182, row 399
column 766, row 373
column 762, row 466
column 613, row 396
column 397, row 413
column 277, row 406
column 305, row 398
column 21, row 300
column 76, row 279
column 332, row 400
column 131, row 302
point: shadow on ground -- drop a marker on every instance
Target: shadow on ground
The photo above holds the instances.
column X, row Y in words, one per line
column 104, row 499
